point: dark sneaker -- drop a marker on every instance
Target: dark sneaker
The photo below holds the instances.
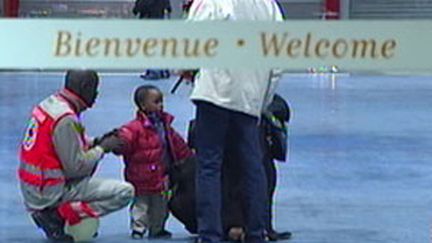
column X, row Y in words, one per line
column 151, row 75
column 165, row 74
column 52, row 224
column 136, row 235
column 275, row 236
column 163, row 234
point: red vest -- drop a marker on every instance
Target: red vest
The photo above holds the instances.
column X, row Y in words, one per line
column 40, row 166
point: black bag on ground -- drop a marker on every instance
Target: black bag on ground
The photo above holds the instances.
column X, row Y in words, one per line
column 182, row 203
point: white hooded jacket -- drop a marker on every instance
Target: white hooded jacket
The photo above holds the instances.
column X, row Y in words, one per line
column 244, row 90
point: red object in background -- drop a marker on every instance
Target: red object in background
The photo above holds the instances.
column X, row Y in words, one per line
column 11, row 8
column 332, row 9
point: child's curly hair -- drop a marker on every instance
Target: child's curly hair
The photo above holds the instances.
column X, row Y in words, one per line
column 141, row 92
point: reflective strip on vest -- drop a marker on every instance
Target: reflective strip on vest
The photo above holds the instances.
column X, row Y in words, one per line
column 34, row 176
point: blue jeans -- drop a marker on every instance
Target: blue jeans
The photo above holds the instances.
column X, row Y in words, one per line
column 214, row 126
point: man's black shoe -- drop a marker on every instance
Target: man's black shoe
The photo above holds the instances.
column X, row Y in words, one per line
column 137, row 235
column 163, row 234
column 275, row 236
column 52, row 224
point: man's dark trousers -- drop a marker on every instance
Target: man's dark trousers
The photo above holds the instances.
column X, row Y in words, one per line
column 214, row 127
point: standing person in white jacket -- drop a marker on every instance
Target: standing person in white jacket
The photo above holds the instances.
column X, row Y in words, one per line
column 229, row 105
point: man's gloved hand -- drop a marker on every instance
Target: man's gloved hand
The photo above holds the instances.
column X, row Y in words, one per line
column 98, row 140
column 111, row 143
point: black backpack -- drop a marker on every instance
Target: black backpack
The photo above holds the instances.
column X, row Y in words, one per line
column 275, row 121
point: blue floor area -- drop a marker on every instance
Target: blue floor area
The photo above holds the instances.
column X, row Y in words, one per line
column 360, row 167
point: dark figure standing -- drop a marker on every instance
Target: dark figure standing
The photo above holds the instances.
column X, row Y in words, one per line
column 273, row 140
column 153, row 9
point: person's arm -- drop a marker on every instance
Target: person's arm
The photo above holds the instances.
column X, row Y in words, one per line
column 277, row 12
column 275, row 74
column 203, row 10
column 75, row 159
column 181, row 149
column 272, row 82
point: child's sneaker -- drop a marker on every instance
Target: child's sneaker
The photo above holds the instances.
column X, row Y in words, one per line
column 163, row 234
column 136, row 235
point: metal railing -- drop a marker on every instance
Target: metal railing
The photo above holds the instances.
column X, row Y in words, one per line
column 391, row 9
column 76, row 8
